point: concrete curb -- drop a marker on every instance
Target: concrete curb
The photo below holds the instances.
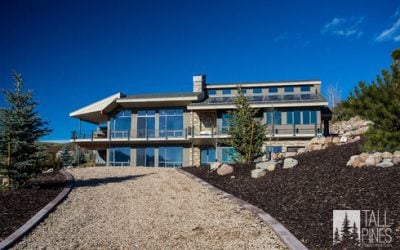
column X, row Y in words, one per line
column 37, row 218
column 287, row 237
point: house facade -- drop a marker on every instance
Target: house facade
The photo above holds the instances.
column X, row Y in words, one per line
column 186, row 129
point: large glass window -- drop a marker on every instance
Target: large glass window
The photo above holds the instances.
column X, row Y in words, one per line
column 274, row 117
column 289, row 89
column 289, row 117
column 305, row 88
column 121, row 124
column 313, row 117
column 207, row 155
column 306, row 117
column 228, row 155
column 273, row 90
column 226, row 91
column 170, row 157
column 146, row 123
column 309, row 117
column 120, row 156
column 171, row 122
column 145, row 157
column 212, row 92
column 257, row 90
column 225, row 122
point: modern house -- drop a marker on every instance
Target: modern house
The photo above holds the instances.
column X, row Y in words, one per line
column 184, row 129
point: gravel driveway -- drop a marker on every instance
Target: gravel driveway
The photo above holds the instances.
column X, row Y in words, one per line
column 132, row 208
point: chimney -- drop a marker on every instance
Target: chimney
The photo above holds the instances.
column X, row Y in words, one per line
column 199, row 83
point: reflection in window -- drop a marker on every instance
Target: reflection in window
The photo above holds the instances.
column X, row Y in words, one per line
column 146, row 123
column 171, row 122
column 225, row 123
column 207, row 155
column 121, row 124
column 305, row 88
column 257, row 90
column 274, row 117
column 120, row 156
column 170, row 157
column 289, row 89
column 145, row 157
column 273, row 90
column 226, row 91
column 228, row 155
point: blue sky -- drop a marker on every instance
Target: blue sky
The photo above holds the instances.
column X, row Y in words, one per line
column 72, row 53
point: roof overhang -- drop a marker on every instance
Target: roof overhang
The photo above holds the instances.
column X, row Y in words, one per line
column 97, row 112
column 159, row 101
column 261, row 105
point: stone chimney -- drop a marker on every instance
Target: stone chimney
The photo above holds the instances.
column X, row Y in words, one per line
column 199, row 83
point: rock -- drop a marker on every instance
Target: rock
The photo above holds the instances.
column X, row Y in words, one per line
column 370, row 161
column 316, row 147
column 328, row 140
column 289, row 163
column 314, row 140
column 357, row 163
column 301, row 150
column 378, row 157
column 257, row 173
column 386, row 155
column 215, row 165
column 50, row 170
column 357, row 138
column 385, row 164
column 352, row 158
column 343, row 139
column 396, row 154
column 396, row 160
column 267, row 165
column 336, row 140
column 232, row 177
column 363, row 157
column 225, row 169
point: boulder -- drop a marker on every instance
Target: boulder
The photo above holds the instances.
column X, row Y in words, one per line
column 289, row 163
column 336, row 140
column 314, row 140
column 301, row 150
column 378, row 157
column 215, row 165
column 385, row 164
column 290, row 154
column 396, row 160
column 370, row 161
column 257, row 173
column 352, row 158
column 386, row 155
column 343, row 139
column 396, row 154
column 266, row 165
column 316, row 147
column 364, row 156
column 225, row 169
column 328, row 140
column 357, row 163
column 357, row 138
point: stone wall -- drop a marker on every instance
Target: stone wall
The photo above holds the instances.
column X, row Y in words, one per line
column 204, row 122
column 195, row 151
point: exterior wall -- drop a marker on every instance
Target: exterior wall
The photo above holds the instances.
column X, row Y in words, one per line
column 204, row 122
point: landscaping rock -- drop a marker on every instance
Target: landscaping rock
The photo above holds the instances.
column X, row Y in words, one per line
column 396, row 154
column 267, row 165
column 50, row 170
column 396, row 160
column 385, row 163
column 343, row 139
column 357, row 138
column 257, row 173
column 352, row 158
column 336, row 140
column 215, row 165
column 386, row 155
column 363, row 156
column 357, row 163
column 290, row 154
column 370, row 161
column 301, row 150
column 289, row 163
column 225, row 169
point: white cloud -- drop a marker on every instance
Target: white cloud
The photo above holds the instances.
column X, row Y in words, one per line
column 390, row 33
column 345, row 27
column 397, row 13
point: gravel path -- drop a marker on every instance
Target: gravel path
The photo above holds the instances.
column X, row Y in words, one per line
column 139, row 208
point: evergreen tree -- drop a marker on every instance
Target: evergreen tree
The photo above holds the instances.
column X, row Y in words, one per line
column 21, row 127
column 354, row 235
column 65, row 156
column 336, row 237
column 247, row 133
column 379, row 102
column 346, row 241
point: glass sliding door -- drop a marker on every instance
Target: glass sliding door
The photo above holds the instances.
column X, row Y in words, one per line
column 171, row 123
column 120, row 156
column 170, row 157
column 146, row 123
column 145, row 157
column 121, row 124
column 207, row 155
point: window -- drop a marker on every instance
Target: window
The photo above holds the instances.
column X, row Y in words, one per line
column 274, row 117
column 121, row 124
column 293, row 149
column 120, row 156
column 306, row 117
column 257, row 90
column 171, row 122
column 289, row 117
column 296, row 116
column 207, row 155
column 145, row 157
column 274, row 149
column 313, row 117
column 226, row 91
column 309, row 117
column 227, row 155
column 212, row 92
column 170, row 157
column 289, row 89
column 225, row 122
column 146, row 123
column 273, row 90
column 244, row 91
column 305, row 88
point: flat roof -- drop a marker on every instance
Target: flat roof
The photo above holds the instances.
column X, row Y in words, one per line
column 262, row 84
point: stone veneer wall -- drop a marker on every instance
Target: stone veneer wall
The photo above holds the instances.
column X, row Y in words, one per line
column 204, row 121
column 196, row 156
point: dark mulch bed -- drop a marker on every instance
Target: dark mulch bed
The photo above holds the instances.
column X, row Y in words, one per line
column 303, row 198
column 18, row 206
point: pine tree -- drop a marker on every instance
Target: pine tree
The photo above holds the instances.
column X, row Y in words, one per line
column 247, row 133
column 354, row 235
column 379, row 102
column 21, row 127
column 346, row 232
column 336, row 237
column 65, row 156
